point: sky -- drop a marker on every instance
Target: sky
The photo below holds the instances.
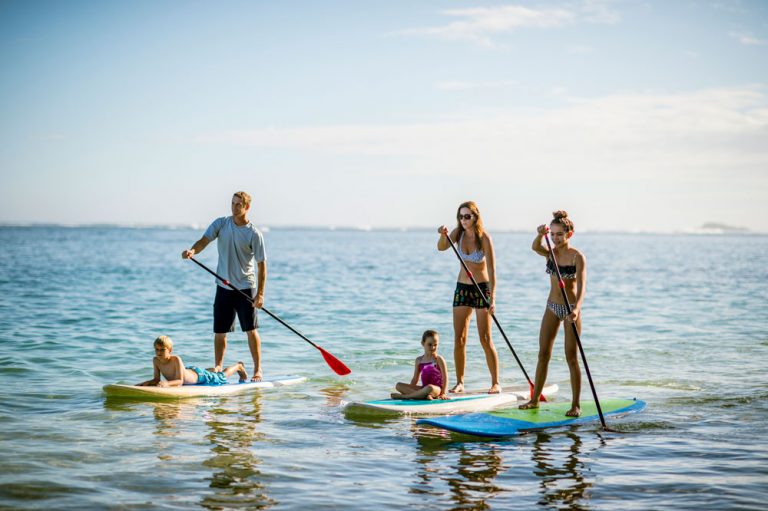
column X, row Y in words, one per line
column 630, row 115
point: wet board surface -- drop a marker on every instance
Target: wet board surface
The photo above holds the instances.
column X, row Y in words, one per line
column 510, row 421
column 187, row 391
column 459, row 403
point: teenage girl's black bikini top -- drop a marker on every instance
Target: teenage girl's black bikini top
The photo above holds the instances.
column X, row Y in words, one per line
column 567, row 272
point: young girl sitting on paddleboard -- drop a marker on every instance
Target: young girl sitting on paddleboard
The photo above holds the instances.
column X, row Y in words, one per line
column 431, row 368
column 176, row 375
column 573, row 270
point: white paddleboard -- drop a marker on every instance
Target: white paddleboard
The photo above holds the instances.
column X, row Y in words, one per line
column 459, row 403
column 186, row 391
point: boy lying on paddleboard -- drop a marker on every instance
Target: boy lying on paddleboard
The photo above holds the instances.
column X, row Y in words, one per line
column 176, row 375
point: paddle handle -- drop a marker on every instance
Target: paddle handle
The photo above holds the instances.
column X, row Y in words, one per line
column 488, row 304
column 561, row 285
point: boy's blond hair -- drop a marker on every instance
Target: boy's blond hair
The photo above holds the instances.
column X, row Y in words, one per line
column 244, row 197
column 165, row 342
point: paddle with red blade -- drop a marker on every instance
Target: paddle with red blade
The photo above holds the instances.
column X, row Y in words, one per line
column 561, row 284
column 485, row 299
column 334, row 363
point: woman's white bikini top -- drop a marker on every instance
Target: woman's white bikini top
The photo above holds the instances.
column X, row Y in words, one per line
column 475, row 257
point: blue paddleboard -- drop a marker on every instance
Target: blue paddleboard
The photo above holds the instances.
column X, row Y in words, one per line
column 511, row 421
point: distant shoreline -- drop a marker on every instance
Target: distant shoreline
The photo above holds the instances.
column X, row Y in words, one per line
column 701, row 231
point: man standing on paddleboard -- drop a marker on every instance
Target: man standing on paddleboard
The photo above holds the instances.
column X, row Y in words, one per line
column 239, row 244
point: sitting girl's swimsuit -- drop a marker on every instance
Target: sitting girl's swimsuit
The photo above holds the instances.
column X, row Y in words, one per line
column 430, row 374
column 475, row 257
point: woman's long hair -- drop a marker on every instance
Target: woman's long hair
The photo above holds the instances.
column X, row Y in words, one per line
column 478, row 226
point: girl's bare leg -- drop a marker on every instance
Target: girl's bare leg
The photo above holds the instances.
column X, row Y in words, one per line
column 550, row 324
column 403, row 389
column 491, row 356
column 427, row 392
column 461, row 318
column 572, row 358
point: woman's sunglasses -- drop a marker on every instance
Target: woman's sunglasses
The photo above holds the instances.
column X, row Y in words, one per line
column 465, row 217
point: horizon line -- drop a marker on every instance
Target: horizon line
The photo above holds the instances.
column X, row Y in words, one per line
column 709, row 228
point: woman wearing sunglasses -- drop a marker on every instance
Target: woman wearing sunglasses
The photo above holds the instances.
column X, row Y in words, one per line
column 476, row 249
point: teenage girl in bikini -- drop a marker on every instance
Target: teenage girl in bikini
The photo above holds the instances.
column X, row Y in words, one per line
column 476, row 249
column 431, row 368
column 573, row 269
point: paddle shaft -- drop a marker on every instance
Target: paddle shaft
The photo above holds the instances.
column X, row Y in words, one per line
column 561, row 285
column 485, row 299
column 227, row 283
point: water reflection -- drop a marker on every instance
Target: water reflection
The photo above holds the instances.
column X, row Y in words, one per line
column 471, row 483
column 233, row 429
column 334, row 394
column 167, row 414
column 481, row 474
column 559, row 466
column 235, row 480
column 476, row 471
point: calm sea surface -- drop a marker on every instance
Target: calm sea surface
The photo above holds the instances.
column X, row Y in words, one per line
column 678, row 321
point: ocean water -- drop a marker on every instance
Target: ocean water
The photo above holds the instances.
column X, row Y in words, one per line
column 677, row 321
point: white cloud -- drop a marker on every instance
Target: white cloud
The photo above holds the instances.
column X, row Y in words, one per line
column 459, row 85
column 749, row 40
column 629, row 137
column 599, row 11
column 479, row 24
column 579, row 49
column 455, row 85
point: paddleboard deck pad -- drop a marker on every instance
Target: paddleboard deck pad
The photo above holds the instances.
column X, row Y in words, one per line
column 187, row 391
column 511, row 421
column 459, row 403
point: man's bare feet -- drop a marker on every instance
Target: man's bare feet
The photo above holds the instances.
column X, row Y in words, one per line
column 575, row 411
column 495, row 389
column 256, row 376
column 530, row 405
column 241, row 372
column 457, row 389
column 216, row 369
